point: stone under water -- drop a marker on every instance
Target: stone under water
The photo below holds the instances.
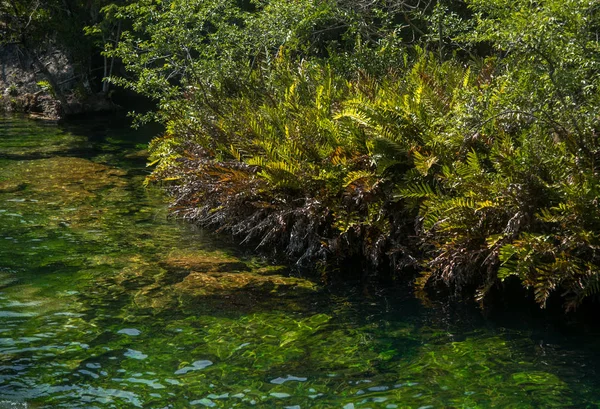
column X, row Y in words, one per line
column 107, row 303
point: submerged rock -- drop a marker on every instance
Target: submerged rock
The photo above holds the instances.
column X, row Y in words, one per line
column 68, row 178
column 72, row 200
column 11, row 186
column 217, row 283
column 206, row 283
column 191, row 263
column 216, row 291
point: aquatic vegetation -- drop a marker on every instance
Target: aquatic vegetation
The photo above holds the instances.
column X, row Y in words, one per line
column 123, row 308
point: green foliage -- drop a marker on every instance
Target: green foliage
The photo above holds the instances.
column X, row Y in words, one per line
column 275, row 155
column 46, row 87
column 38, row 29
column 326, row 145
column 522, row 202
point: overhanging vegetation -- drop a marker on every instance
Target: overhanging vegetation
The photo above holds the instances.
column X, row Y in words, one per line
column 457, row 138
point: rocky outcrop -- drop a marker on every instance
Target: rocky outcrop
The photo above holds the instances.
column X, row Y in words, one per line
column 26, row 85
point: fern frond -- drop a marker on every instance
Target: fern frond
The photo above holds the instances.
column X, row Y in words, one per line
column 256, row 161
column 424, row 163
column 473, row 162
column 591, row 285
column 280, row 174
column 356, row 115
column 431, row 217
column 281, row 166
column 338, row 157
column 416, row 191
column 235, row 153
column 484, row 205
column 508, row 266
column 460, row 202
column 358, row 175
column 466, row 77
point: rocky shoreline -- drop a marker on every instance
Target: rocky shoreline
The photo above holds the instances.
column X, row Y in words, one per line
column 25, row 89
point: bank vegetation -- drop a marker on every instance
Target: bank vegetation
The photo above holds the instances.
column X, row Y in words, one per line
column 452, row 141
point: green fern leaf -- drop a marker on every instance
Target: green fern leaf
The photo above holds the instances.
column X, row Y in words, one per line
column 424, row 163
column 358, row 175
column 416, row 191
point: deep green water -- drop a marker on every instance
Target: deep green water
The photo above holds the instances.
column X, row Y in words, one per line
column 104, row 303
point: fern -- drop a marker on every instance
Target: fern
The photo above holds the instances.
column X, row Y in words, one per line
column 417, row 191
column 359, row 175
column 424, row 163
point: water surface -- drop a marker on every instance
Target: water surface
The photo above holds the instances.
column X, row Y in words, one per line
column 104, row 303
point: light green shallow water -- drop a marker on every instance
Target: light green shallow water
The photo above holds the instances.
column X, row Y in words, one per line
column 106, row 304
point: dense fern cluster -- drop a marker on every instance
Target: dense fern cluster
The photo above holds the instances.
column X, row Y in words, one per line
column 469, row 170
column 286, row 169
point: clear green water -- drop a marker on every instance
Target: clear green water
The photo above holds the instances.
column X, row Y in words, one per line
column 104, row 303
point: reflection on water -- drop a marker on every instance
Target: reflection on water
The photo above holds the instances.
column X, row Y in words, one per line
column 106, row 304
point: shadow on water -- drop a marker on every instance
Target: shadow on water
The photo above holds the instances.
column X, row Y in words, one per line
column 104, row 303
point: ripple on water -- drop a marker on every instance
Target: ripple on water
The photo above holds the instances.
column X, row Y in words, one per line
column 13, row 314
column 132, row 353
column 196, row 366
column 153, row 383
column 5, row 404
column 204, row 402
column 133, row 332
column 82, row 324
column 288, row 378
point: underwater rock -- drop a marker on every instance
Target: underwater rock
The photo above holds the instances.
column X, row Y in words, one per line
column 216, row 290
column 11, row 186
column 155, row 298
column 73, row 178
column 202, row 263
column 65, row 193
column 198, row 283
column 179, row 265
